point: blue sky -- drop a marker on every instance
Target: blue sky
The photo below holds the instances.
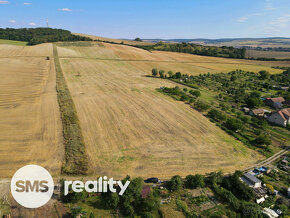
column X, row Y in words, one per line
column 153, row 18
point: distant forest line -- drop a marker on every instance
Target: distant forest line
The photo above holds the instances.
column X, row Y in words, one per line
column 223, row 51
column 36, row 36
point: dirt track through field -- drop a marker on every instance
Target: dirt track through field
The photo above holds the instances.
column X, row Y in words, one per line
column 130, row 128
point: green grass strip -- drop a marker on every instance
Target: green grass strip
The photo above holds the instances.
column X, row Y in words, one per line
column 76, row 160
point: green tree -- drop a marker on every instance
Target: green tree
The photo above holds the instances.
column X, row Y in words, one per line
column 154, row 72
column 201, row 106
column 255, row 94
column 234, row 124
column 195, row 93
column 110, row 200
column 216, row 115
column 175, row 183
column 254, row 102
column 194, row 181
column 178, row 75
column 161, row 73
column 262, row 140
column 170, row 73
column 264, row 74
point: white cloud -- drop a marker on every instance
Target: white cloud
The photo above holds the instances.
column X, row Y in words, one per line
column 27, row 3
column 3, row 2
column 282, row 21
column 12, row 21
column 65, row 9
column 269, row 6
column 279, row 24
column 32, row 24
column 247, row 17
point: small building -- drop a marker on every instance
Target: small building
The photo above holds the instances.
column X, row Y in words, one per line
column 270, row 213
column 281, row 117
column 260, row 200
column 257, row 112
column 284, row 88
column 251, row 180
column 272, row 101
column 246, row 110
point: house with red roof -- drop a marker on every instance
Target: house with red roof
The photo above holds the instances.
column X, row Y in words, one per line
column 281, row 117
column 274, row 102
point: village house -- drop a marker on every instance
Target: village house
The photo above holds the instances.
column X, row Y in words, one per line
column 270, row 213
column 251, row 180
column 281, row 117
column 259, row 112
column 274, row 102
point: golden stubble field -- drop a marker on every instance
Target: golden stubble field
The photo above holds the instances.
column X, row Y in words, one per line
column 130, row 128
column 30, row 127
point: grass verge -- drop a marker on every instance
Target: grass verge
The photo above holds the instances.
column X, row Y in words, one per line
column 12, row 42
column 76, row 160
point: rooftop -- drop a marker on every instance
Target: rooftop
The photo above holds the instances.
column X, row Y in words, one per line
column 252, row 178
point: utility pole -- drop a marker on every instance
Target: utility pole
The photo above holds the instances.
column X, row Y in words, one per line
column 47, row 22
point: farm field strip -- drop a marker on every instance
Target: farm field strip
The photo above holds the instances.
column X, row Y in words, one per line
column 30, row 128
column 130, row 128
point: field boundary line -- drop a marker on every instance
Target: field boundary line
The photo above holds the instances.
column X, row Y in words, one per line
column 76, row 159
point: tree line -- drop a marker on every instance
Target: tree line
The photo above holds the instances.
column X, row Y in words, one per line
column 224, row 51
column 36, row 36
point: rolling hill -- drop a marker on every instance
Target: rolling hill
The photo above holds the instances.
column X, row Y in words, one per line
column 128, row 127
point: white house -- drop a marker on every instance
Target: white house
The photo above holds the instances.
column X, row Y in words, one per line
column 270, row 213
column 251, row 180
column 281, row 117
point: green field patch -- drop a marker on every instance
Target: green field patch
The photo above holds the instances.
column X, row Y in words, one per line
column 12, row 42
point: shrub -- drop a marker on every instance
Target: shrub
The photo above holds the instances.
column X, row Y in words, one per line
column 175, row 183
column 195, row 93
column 216, row 115
column 154, row 72
column 194, row 181
column 201, row 106
column 234, row 124
column 262, row 140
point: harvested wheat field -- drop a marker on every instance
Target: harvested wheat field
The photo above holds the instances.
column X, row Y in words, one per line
column 130, row 128
column 30, row 127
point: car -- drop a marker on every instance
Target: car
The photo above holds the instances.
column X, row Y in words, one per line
column 151, row 180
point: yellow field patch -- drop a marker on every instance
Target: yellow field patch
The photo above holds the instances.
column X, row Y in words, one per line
column 30, row 127
column 130, row 128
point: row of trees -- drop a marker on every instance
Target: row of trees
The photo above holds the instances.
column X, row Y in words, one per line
column 40, row 35
column 224, row 51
